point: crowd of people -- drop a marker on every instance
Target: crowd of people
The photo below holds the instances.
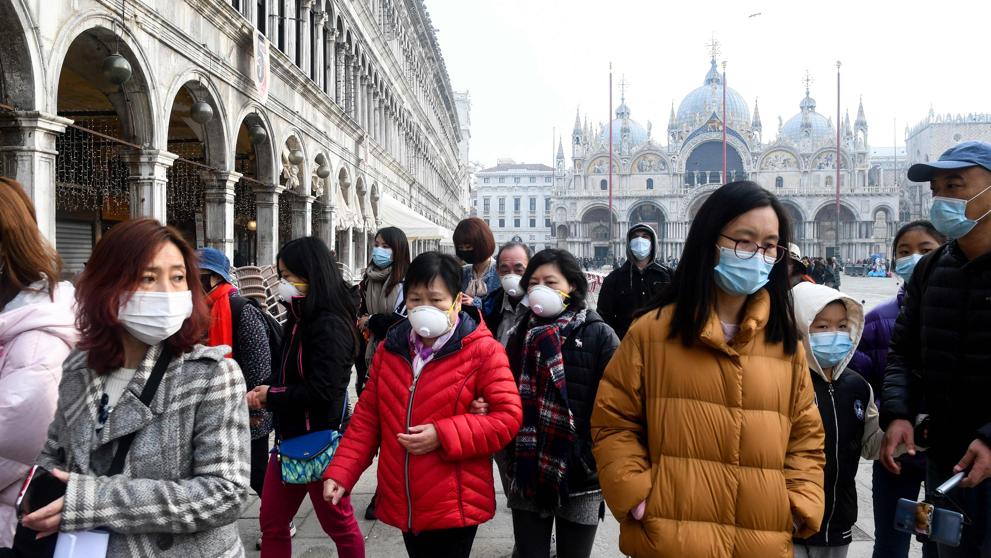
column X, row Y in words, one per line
column 717, row 408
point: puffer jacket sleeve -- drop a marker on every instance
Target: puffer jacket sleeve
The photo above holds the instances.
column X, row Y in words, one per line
column 606, row 303
column 618, row 430
column 900, row 391
column 466, row 435
column 213, row 494
column 28, row 397
column 804, row 458
column 364, row 433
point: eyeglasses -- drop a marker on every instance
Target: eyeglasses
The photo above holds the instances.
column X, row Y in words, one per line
column 746, row 249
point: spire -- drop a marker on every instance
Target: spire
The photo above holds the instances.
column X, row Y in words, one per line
column 756, row 125
column 847, row 131
column 808, row 104
column 560, row 149
column 671, row 118
column 713, row 77
column 861, row 122
column 578, row 122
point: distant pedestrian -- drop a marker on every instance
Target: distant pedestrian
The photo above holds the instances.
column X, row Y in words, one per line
column 707, row 438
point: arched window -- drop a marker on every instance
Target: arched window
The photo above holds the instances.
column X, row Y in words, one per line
column 650, row 183
column 779, row 182
column 603, row 185
column 829, row 181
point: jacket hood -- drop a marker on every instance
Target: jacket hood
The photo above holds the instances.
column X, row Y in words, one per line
column 33, row 310
column 809, row 300
column 653, row 241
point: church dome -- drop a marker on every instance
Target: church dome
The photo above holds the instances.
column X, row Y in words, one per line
column 807, row 124
column 696, row 108
column 638, row 134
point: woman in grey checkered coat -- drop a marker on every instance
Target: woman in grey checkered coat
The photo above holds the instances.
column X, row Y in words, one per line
column 184, row 479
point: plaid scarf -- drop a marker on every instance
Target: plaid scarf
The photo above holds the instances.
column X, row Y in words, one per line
column 538, row 459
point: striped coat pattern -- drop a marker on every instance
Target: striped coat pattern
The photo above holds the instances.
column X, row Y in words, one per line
column 185, row 479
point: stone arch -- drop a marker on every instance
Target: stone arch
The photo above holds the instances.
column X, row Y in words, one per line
column 827, row 210
column 94, row 35
column 780, row 158
column 23, row 81
column 796, row 219
column 214, row 134
column 649, row 162
column 704, row 164
column 649, row 213
column 823, row 159
column 698, row 198
column 252, row 114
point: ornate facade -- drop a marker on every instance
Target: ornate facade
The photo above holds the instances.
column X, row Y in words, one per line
column 116, row 109
column 664, row 182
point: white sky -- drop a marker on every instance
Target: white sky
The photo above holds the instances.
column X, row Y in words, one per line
column 529, row 63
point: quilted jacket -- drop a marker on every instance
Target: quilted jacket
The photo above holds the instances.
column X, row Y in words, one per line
column 871, row 356
column 185, row 477
column 722, row 440
column 452, row 486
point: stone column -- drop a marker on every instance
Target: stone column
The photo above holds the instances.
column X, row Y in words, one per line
column 301, row 211
column 219, row 214
column 328, row 230
column 304, row 36
column 363, row 246
column 267, row 220
column 353, row 84
column 345, row 252
column 27, row 154
column 149, row 182
column 339, row 55
column 318, row 21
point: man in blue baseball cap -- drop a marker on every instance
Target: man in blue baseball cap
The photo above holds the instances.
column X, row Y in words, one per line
column 940, row 344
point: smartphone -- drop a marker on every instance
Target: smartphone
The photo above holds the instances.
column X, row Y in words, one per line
column 935, row 524
column 40, row 488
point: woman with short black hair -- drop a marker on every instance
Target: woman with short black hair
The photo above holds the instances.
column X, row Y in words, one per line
column 434, row 469
column 707, row 439
column 558, row 353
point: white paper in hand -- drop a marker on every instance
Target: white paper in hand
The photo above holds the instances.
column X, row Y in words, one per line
column 82, row 544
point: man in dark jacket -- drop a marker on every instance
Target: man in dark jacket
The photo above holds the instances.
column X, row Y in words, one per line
column 940, row 343
column 630, row 287
column 511, row 262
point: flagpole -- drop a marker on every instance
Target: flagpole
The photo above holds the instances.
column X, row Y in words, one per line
column 838, row 161
column 724, row 122
column 609, row 123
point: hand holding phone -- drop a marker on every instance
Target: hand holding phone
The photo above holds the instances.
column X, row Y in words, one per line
column 40, row 488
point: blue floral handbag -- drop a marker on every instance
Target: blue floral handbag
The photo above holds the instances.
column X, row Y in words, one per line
column 303, row 459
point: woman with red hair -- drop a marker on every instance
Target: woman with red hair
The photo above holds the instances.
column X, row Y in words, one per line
column 151, row 430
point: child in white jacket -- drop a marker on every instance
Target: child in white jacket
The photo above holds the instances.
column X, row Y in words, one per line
column 831, row 324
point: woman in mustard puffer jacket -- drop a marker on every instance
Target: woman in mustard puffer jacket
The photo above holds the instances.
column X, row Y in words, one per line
column 435, row 467
column 707, row 439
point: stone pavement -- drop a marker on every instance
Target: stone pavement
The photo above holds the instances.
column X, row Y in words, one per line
column 495, row 538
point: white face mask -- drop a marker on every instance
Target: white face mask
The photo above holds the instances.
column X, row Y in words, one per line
column 430, row 322
column 545, row 301
column 152, row 317
column 511, row 284
column 287, row 290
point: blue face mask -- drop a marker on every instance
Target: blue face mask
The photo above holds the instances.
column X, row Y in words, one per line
column 905, row 266
column 741, row 277
column 830, row 347
column 382, row 257
column 949, row 215
column 640, row 247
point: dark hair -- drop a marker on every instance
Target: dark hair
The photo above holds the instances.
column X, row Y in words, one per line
column 114, row 271
column 430, row 265
column 569, row 268
column 476, row 233
column 395, row 238
column 26, row 256
column 920, row 225
column 693, row 288
column 513, row 244
column 309, row 258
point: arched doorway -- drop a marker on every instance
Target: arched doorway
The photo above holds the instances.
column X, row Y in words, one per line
column 649, row 214
column 825, row 222
column 103, row 176
column 796, row 220
column 596, row 226
column 253, row 160
column 705, row 165
column 292, row 180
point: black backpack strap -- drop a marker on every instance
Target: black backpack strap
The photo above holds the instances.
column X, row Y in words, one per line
column 147, row 395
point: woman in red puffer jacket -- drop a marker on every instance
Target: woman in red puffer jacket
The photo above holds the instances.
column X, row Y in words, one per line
column 435, row 468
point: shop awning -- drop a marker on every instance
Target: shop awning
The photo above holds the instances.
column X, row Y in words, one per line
column 416, row 226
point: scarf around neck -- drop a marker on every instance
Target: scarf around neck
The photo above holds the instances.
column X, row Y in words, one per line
column 378, row 299
column 221, row 328
column 540, row 454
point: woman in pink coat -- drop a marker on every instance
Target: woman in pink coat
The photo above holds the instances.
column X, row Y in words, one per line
column 37, row 332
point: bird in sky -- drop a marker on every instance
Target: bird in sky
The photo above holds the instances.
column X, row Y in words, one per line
column 755, row 15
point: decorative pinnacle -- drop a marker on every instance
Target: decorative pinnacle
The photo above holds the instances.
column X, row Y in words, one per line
column 713, row 47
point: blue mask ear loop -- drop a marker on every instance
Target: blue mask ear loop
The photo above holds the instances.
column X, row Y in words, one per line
column 979, row 194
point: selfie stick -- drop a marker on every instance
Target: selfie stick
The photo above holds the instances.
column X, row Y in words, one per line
column 949, row 485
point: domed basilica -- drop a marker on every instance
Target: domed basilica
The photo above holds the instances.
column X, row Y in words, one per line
column 664, row 185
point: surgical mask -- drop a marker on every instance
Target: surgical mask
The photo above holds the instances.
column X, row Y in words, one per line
column 382, row 257
column 429, row 321
column 511, row 284
column 287, row 290
column 545, row 301
column 467, row 256
column 741, row 276
column 640, row 247
column 152, row 317
column 905, row 266
column 830, row 347
column 949, row 215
